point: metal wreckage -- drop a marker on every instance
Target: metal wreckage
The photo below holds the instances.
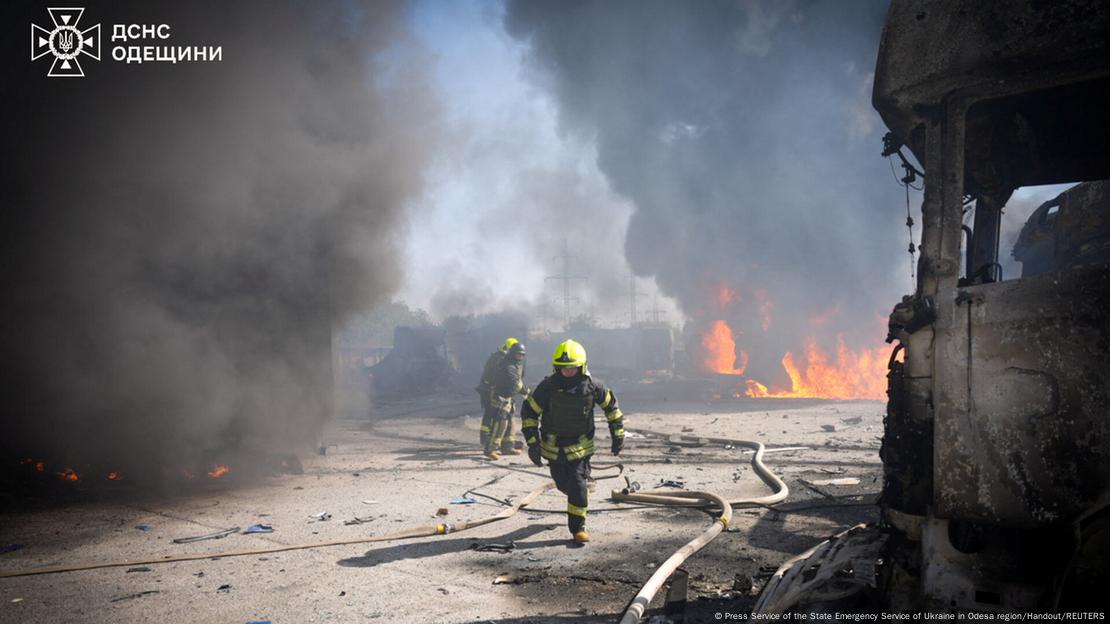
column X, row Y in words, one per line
column 996, row 448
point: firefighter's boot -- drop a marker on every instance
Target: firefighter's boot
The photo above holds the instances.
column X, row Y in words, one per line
column 581, row 537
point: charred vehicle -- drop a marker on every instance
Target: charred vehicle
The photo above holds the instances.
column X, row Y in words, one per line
column 996, row 449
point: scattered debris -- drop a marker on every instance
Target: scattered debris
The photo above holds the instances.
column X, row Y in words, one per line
column 320, row 517
column 14, row 600
column 463, row 500
column 854, row 420
column 7, row 548
column 671, row 484
column 358, row 520
column 137, row 569
column 370, row 502
column 260, row 622
column 493, row 547
column 729, row 447
column 831, row 470
column 687, row 429
column 829, row 427
column 841, row 481
column 743, row 583
column 259, row 528
column 143, row 527
column 673, row 450
column 138, row 595
column 810, row 486
column 343, row 593
column 509, row 579
column 442, row 511
column 210, row 536
column 224, row 588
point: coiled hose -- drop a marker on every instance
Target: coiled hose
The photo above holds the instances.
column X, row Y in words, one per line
column 682, row 498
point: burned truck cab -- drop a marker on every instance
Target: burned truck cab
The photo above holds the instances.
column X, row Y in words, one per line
column 996, row 449
column 997, row 446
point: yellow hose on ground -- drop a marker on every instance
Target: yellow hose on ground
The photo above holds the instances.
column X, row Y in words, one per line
column 640, row 603
column 684, row 498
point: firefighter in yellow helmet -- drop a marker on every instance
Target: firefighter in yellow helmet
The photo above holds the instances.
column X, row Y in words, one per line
column 485, row 386
column 558, row 424
column 507, row 382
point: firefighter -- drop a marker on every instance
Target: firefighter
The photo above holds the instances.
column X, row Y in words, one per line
column 558, row 422
column 507, row 382
column 485, row 386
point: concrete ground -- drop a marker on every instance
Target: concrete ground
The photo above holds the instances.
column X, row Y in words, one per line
column 397, row 470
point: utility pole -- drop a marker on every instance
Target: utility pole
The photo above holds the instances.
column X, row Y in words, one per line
column 563, row 260
column 655, row 309
column 633, row 295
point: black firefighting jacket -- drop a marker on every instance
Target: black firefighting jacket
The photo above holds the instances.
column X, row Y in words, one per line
column 558, row 415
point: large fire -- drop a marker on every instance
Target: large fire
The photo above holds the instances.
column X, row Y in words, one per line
column 814, row 373
column 852, row 375
column 721, row 349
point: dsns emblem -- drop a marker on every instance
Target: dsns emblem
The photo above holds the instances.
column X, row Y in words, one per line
column 66, row 42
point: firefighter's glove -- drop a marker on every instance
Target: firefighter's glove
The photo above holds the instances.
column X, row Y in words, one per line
column 618, row 444
column 534, row 455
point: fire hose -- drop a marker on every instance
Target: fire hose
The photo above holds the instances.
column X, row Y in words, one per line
column 643, row 598
column 425, row 531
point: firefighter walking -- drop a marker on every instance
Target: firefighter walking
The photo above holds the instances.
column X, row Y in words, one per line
column 485, row 387
column 508, row 381
column 558, row 425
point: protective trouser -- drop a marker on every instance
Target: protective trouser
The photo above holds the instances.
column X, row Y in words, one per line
column 571, row 478
column 502, row 436
column 487, row 426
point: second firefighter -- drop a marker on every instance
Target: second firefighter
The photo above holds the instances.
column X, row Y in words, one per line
column 508, row 381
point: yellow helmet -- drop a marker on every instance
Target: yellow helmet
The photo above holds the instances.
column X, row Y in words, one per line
column 569, row 353
column 508, row 344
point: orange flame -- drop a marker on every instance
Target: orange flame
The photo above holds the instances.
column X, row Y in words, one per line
column 721, row 354
column 852, row 375
column 114, row 476
column 69, row 474
column 725, row 296
column 40, row 466
column 219, row 471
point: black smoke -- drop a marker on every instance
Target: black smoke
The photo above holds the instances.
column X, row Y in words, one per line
column 180, row 238
column 742, row 133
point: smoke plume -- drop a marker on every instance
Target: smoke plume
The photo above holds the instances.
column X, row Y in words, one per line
column 743, row 135
column 179, row 238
